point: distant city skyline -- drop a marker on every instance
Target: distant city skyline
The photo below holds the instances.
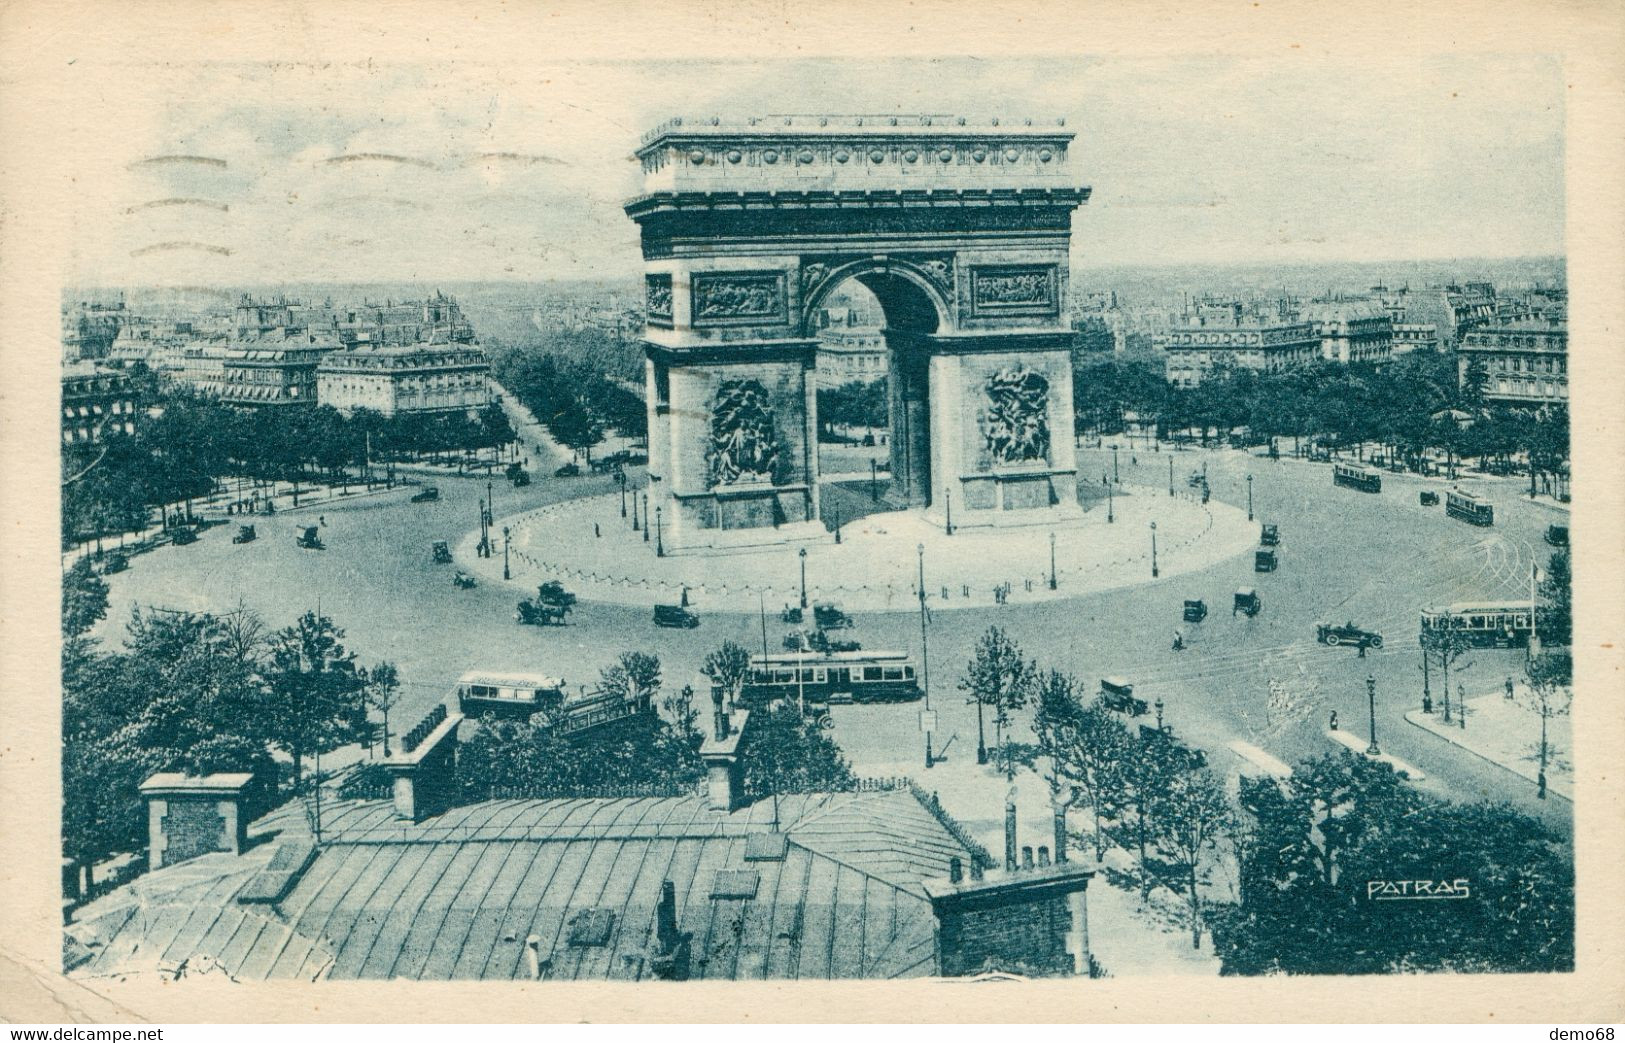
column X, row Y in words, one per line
column 257, row 174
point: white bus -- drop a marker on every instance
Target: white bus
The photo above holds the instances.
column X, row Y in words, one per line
column 1499, row 624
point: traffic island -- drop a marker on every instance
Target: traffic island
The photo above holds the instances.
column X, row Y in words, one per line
column 1506, row 732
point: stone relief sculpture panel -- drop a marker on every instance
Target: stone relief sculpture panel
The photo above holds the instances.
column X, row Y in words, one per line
column 657, row 298
column 1015, row 419
column 739, row 297
column 1005, row 289
column 745, row 446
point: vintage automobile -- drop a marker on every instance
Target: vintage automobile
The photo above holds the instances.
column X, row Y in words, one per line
column 569, row 470
column 1195, row 610
column 309, row 539
column 1429, row 499
column 1246, row 601
column 827, row 615
column 441, row 552
column 675, row 616
column 245, row 534
column 531, row 612
column 183, row 535
column 520, row 480
column 115, row 562
column 791, row 614
column 1196, row 479
column 1119, row 695
column 1557, row 535
column 427, row 495
column 1269, row 535
column 820, row 641
column 553, row 593
column 1347, row 634
column 462, row 580
column 1265, row 561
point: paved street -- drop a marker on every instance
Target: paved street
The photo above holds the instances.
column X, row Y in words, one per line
column 1375, row 559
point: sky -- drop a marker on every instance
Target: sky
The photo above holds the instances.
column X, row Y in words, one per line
column 467, row 172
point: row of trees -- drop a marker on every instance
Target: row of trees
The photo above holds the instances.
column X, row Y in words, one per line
column 853, row 404
column 1305, row 848
column 198, row 692
column 109, row 487
column 572, row 394
column 1406, row 405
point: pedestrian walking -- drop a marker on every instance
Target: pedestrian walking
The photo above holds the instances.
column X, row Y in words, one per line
column 322, row 519
column 1333, row 721
column 595, row 533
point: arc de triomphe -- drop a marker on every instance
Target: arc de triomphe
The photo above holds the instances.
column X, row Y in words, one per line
column 960, row 230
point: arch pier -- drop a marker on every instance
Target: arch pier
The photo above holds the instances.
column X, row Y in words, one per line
column 960, row 230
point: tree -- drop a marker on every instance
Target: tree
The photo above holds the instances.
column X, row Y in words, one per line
column 1550, row 676
column 1323, row 846
column 84, row 599
column 787, row 753
column 1056, row 724
column 634, row 677
column 998, row 676
column 314, row 690
column 1445, row 644
column 1135, row 784
column 683, row 715
column 382, row 688
column 727, row 667
column 1193, row 816
column 1555, row 616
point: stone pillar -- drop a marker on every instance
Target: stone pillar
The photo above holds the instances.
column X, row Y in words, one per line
column 720, row 752
column 424, row 771
column 192, row 815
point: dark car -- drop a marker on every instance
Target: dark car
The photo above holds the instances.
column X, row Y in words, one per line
column 1195, row 610
column 520, row 480
column 827, row 615
column 820, row 641
column 462, row 580
column 1246, row 601
column 1347, row 634
column 1269, row 535
column 1429, row 499
column 1265, row 561
column 428, row 495
column 116, row 562
column 1557, row 535
column 245, row 534
column 540, row 614
column 1119, row 696
column 441, row 552
column 675, row 616
column 183, row 535
column 569, row 470
column 309, row 539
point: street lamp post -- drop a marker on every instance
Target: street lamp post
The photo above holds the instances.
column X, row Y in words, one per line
column 874, row 481
column 505, row 573
column 1110, row 516
column 1371, row 702
column 1153, row 550
column 1115, row 476
column 802, row 554
column 645, row 517
column 1158, row 705
column 635, row 525
column 620, row 480
column 837, row 523
column 1427, row 693
column 1052, row 561
column 660, row 548
column 948, row 502
column 925, row 656
column 1249, row 497
column 1170, row 476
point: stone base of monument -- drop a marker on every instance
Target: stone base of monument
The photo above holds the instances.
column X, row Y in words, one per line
column 1063, row 514
column 710, row 541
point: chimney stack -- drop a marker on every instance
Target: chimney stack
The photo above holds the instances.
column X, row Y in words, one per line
column 719, row 716
column 533, row 957
column 192, row 815
column 423, row 770
column 669, row 958
column 1026, row 857
column 724, row 783
column 1043, row 856
column 1010, row 831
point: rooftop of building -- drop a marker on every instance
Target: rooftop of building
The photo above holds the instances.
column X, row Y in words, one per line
column 458, row 895
column 827, row 125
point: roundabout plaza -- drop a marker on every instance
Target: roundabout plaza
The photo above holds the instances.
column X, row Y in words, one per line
column 876, row 566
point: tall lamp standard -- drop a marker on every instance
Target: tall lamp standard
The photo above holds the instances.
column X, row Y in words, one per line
column 874, row 481
column 1249, row 497
column 505, row 573
column 802, row 554
column 1052, row 561
column 925, row 659
column 1110, row 517
column 1371, row 702
column 660, row 548
column 1153, row 550
column 620, row 480
column 1170, row 476
column 1158, row 706
column 1115, row 477
column 948, row 502
column 645, row 517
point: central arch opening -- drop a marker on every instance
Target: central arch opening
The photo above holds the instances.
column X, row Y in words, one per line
column 873, row 399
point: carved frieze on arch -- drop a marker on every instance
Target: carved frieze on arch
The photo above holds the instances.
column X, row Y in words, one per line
column 932, row 273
